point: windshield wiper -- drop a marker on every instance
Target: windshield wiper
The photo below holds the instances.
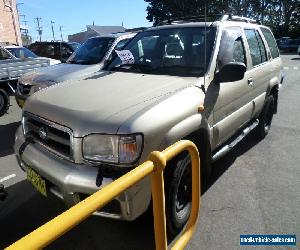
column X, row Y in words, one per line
column 132, row 66
column 82, row 62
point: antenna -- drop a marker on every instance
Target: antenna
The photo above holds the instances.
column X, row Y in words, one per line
column 205, row 16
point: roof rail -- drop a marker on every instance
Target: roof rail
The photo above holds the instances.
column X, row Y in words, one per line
column 230, row 17
column 208, row 18
column 200, row 18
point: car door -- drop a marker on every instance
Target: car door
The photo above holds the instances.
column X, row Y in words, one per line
column 259, row 69
column 233, row 107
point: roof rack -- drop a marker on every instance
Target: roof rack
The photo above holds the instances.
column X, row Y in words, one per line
column 208, row 18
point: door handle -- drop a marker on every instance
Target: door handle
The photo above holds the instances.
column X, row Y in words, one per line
column 250, row 82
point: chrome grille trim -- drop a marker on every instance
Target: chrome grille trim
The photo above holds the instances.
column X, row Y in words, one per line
column 28, row 121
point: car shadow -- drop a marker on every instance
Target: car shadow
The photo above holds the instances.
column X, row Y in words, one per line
column 7, row 138
column 25, row 210
column 296, row 58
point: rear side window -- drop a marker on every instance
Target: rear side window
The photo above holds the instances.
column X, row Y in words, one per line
column 34, row 48
column 271, row 42
column 256, row 46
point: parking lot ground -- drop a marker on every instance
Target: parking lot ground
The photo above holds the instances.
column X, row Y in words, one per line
column 254, row 190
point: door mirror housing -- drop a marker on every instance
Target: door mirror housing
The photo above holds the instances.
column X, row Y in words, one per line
column 231, row 72
column 107, row 60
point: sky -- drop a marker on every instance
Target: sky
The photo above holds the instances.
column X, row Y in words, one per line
column 74, row 15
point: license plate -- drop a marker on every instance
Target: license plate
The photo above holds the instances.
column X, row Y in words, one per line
column 37, row 181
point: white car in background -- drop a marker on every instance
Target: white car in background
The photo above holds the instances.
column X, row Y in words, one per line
column 298, row 50
column 89, row 59
column 22, row 52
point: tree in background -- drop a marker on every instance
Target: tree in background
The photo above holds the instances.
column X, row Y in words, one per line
column 283, row 16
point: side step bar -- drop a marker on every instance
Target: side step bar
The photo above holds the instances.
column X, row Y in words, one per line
column 225, row 149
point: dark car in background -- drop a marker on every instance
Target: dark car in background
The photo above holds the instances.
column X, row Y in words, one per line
column 289, row 45
column 56, row 50
column 23, row 53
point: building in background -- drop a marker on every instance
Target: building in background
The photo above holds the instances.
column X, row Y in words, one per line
column 93, row 30
column 9, row 23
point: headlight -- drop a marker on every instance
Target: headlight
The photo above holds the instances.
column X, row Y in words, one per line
column 123, row 149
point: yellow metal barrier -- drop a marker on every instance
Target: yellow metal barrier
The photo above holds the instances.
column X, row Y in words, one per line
column 61, row 224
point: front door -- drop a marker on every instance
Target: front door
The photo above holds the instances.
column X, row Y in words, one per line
column 233, row 107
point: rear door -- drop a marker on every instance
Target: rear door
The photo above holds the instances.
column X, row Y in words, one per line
column 259, row 69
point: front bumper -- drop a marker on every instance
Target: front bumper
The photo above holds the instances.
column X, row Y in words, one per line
column 72, row 182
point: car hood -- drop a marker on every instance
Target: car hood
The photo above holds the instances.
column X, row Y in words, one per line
column 102, row 103
column 51, row 60
column 59, row 73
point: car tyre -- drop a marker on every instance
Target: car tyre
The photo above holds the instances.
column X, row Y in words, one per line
column 265, row 118
column 4, row 102
column 178, row 193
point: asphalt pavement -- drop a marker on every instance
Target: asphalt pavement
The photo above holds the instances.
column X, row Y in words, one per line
column 255, row 189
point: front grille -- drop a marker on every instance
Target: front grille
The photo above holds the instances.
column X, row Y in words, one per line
column 52, row 136
column 24, row 89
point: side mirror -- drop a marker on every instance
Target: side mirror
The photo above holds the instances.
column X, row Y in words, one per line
column 231, row 72
column 107, row 60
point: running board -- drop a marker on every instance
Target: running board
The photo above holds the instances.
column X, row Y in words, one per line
column 225, row 149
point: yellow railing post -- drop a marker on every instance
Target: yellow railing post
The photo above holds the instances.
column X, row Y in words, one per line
column 158, row 198
column 160, row 161
column 196, row 189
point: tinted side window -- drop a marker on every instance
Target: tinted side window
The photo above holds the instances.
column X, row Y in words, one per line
column 261, row 47
column 271, row 42
column 239, row 51
column 34, row 48
column 48, row 51
column 57, row 51
column 66, row 52
column 232, row 47
column 257, row 52
column 120, row 45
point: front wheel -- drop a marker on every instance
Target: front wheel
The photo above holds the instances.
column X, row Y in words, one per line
column 4, row 102
column 178, row 186
column 265, row 118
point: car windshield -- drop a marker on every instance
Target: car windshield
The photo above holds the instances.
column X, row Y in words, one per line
column 92, row 51
column 74, row 45
column 169, row 51
column 22, row 53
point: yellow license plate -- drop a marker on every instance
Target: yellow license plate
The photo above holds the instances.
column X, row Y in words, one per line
column 37, row 181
